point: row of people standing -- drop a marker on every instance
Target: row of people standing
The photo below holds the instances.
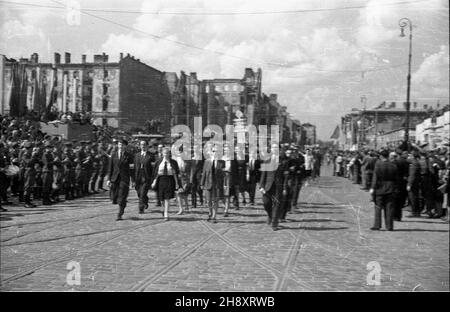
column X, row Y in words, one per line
column 42, row 171
column 396, row 179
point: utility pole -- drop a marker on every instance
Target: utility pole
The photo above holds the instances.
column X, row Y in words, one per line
column 403, row 23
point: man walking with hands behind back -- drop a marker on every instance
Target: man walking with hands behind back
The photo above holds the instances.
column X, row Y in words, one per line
column 119, row 176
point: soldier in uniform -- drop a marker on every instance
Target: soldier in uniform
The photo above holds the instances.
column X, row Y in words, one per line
column 400, row 198
column 95, row 157
column 47, row 173
column 58, row 175
column 86, row 167
column 78, row 178
column 102, row 166
column 68, row 180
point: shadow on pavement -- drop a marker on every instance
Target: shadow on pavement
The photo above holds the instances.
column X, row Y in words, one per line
column 319, row 220
column 435, row 222
column 240, row 221
column 314, row 228
column 326, row 212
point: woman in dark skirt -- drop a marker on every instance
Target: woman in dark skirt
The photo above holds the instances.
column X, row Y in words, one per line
column 166, row 180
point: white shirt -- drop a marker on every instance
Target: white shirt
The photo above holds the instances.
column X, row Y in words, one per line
column 161, row 168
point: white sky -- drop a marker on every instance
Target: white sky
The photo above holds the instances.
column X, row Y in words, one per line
column 313, row 60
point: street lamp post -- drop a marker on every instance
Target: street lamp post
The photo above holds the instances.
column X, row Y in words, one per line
column 404, row 22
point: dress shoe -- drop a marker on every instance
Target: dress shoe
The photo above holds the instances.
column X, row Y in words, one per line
column 375, row 229
column 119, row 219
column 146, row 206
column 226, row 214
column 214, row 221
column 282, row 220
column 29, row 206
column 275, row 228
column 166, row 218
column 141, row 212
column 389, row 229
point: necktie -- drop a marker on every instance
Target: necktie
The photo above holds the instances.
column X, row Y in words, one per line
column 165, row 168
column 213, row 168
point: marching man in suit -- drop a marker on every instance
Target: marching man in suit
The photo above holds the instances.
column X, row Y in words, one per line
column 119, row 176
column 142, row 174
column 253, row 175
column 384, row 185
column 270, row 186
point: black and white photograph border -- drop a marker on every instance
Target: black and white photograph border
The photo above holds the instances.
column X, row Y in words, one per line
column 242, row 148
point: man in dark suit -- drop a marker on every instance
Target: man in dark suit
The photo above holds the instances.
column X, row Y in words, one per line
column 270, row 185
column 384, row 186
column 212, row 183
column 119, row 176
column 142, row 174
column 253, row 175
column 298, row 162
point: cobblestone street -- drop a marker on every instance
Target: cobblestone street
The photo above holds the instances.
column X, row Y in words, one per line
column 325, row 245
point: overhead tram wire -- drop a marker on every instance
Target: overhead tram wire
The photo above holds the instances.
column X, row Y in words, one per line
column 226, row 54
column 295, row 11
column 83, row 11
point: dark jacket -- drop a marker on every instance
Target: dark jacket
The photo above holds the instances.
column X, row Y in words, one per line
column 385, row 178
column 143, row 169
column 119, row 169
column 209, row 178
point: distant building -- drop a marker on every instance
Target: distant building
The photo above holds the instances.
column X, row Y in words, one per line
column 122, row 94
column 365, row 127
column 185, row 99
column 434, row 131
column 222, row 98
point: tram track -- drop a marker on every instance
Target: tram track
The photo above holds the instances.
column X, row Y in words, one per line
column 72, row 253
